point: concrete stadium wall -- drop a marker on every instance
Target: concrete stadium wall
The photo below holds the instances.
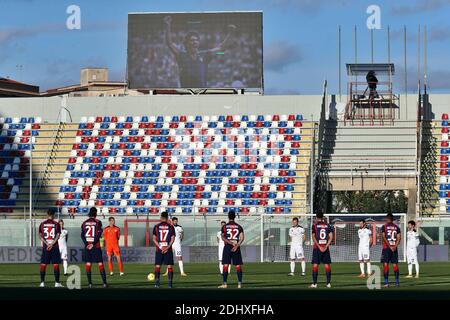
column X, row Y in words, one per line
column 308, row 105
column 48, row 108
column 200, row 254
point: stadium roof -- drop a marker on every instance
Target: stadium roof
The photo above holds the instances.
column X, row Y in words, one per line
column 358, row 69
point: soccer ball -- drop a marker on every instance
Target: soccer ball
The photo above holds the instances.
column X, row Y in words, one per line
column 151, row 277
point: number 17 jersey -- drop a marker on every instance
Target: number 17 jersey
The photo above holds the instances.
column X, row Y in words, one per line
column 163, row 232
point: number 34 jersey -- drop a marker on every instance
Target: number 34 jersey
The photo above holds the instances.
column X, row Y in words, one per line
column 49, row 230
column 232, row 231
column 321, row 231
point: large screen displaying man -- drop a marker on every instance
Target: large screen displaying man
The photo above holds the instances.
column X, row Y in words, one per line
column 195, row 50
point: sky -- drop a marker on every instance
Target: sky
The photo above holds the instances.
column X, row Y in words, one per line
column 300, row 39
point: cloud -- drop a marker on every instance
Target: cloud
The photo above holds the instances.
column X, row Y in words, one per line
column 281, row 54
column 420, row 6
column 278, row 91
column 438, row 33
column 434, row 34
column 306, row 6
column 437, row 80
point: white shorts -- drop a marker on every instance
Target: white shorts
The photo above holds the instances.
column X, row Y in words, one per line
column 296, row 252
column 411, row 255
column 220, row 252
column 363, row 253
column 63, row 252
column 176, row 248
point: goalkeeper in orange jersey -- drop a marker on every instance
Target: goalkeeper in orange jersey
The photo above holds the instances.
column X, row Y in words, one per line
column 111, row 235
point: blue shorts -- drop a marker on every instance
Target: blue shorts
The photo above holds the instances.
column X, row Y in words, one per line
column 164, row 258
column 51, row 257
column 387, row 256
column 230, row 257
column 319, row 257
column 94, row 255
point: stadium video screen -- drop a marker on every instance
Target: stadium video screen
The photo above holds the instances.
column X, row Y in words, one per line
column 195, row 50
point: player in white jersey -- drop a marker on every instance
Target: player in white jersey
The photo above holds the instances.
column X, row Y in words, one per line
column 176, row 247
column 62, row 244
column 412, row 243
column 221, row 245
column 297, row 236
column 365, row 242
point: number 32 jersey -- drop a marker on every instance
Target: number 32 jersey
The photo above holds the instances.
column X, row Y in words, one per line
column 321, row 231
column 232, row 231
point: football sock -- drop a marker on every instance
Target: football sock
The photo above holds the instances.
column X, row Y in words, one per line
column 102, row 272
column 386, row 273
column 170, row 275
column 56, row 272
column 303, row 266
column 314, row 273
column 220, row 267
column 361, row 267
column 369, row 268
column 157, row 274
column 88, row 273
column 239, row 273
column 410, row 266
column 110, row 265
column 180, row 264
column 120, row 265
column 42, row 271
column 225, row 273
column 328, row 273
column 292, row 266
column 65, row 265
column 417, row 267
column 397, row 273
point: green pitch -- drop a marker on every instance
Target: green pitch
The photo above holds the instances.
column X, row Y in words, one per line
column 261, row 281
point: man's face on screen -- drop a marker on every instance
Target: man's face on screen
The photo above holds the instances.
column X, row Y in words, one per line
column 193, row 43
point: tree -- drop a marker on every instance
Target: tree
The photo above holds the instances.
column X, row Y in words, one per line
column 370, row 201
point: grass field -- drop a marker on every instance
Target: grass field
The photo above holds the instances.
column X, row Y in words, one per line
column 261, row 281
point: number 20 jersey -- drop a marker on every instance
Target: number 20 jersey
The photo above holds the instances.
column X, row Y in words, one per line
column 391, row 232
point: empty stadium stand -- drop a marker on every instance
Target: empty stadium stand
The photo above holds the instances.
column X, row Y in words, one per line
column 444, row 166
column 369, row 157
column 17, row 138
column 182, row 164
column 435, row 167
